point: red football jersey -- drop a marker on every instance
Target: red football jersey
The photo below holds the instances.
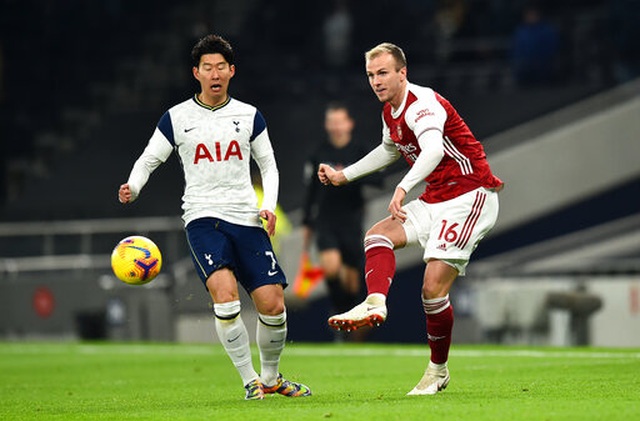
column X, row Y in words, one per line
column 464, row 166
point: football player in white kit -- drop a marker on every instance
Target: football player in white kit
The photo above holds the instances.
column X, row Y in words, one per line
column 457, row 209
column 215, row 136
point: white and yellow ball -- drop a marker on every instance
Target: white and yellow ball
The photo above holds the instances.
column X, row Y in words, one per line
column 136, row 260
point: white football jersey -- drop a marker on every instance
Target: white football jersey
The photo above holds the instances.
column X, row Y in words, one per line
column 214, row 145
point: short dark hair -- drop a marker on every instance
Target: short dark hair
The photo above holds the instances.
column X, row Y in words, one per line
column 211, row 44
column 337, row 105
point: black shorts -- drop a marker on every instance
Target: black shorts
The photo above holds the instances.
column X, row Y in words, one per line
column 347, row 237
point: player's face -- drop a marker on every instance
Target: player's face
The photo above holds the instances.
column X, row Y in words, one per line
column 338, row 125
column 386, row 81
column 214, row 74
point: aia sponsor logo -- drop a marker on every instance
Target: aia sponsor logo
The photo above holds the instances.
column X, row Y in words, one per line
column 205, row 153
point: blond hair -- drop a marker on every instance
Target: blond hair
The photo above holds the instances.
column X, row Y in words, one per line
column 387, row 47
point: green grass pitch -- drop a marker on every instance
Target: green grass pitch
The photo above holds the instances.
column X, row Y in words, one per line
column 121, row 381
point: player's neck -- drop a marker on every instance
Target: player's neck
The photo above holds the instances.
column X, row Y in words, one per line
column 213, row 101
column 340, row 142
column 397, row 101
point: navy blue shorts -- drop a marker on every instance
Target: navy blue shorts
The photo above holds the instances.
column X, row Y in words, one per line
column 247, row 251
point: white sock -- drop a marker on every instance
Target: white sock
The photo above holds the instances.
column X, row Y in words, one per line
column 234, row 337
column 271, row 333
column 377, row 299
column 437, row 367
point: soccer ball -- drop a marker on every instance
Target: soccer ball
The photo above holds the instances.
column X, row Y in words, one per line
column 136, row 260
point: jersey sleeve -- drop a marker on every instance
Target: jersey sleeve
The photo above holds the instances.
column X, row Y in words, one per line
column 155, row 153
column 426, row 119
column 380, row 157
column 262, row 153
column 431, row 153
column 259, row 126
column 424, row 115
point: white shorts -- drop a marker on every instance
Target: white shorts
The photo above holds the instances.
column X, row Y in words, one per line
column 450, row 231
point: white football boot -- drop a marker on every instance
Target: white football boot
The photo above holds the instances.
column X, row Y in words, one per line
column 371, row 312
column 432, row 382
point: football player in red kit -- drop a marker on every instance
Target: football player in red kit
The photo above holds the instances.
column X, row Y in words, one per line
column 457, row 209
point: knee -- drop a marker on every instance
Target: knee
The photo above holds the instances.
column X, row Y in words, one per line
column 428, row 292
column 374, row 230
column 272, row 309
column 433, row 290
column 222, row 286
column 270, row 305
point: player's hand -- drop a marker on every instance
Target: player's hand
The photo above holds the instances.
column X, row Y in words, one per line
column 395, row 206
column 270, row 217
column 328, row 175
column 124, row 193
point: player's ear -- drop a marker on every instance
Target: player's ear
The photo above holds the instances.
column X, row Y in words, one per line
column 403, row 72
column 232, row 69
column 195, row 72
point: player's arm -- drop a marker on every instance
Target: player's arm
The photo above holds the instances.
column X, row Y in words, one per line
column 155, row 153
column 262, row 153
column 380, row 157
column 432, row 151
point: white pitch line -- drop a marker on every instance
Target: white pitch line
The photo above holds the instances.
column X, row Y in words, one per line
column 309, row 351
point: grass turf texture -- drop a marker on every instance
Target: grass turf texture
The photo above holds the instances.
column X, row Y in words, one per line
column 117, row 381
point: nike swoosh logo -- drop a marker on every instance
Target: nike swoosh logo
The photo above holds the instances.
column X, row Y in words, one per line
column 435, row 338
column 271, row 273
column 233, row 339
column 189, row 129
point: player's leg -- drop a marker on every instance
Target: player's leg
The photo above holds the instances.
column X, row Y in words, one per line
column 330, row 256
column 271, row 334
column 438, row 279
column 380, row 266
column 339, row 298
column 231, row 329
column 212, row 257
column 353, row 258
column 261, row 275
column 351, row 281
column 331, row 263
column 458, row 226
column 271, row 329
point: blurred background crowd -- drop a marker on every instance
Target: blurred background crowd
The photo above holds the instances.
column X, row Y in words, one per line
column 66, row 66
column 549, row 87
